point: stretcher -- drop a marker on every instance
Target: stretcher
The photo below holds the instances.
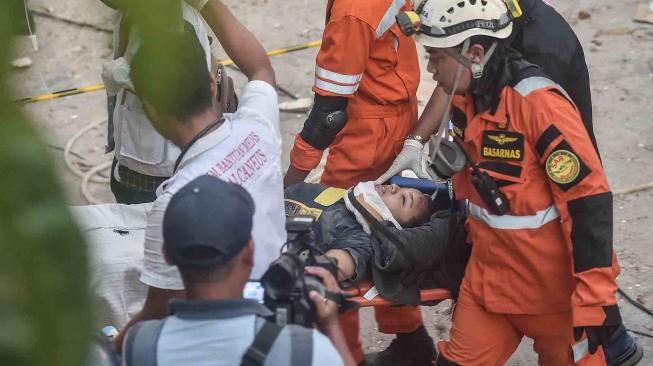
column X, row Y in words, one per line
column 365, row 295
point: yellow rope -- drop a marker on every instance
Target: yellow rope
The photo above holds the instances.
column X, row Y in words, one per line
column 93, row 88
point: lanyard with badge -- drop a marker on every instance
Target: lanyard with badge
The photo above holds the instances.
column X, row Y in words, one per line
column 192, row 142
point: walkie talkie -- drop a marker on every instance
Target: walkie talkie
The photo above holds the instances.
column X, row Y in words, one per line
column 486, row 186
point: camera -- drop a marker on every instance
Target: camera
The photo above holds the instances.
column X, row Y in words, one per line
column 286, row 284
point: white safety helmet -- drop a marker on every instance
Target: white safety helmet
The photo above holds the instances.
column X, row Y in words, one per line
column 448, row 23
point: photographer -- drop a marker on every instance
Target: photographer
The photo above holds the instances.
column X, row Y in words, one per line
column 207, row 235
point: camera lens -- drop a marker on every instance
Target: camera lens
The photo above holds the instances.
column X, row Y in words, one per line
column 280, row 278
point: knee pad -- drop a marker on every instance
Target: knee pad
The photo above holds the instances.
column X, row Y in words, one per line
column 327, row 118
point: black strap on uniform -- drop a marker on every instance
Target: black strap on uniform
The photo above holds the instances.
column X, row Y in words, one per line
column 258, row 351
column 328, row 14
column 379, row 227
column 201, row 134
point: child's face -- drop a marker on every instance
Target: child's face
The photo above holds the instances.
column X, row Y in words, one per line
column 408, row 206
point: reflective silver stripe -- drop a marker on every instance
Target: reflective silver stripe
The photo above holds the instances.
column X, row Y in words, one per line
column 529, row 85
column 508, row 222
column 389, row 17
column 338, row 78
column 335, row 88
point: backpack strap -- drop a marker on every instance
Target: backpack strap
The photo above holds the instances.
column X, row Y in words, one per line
column 258, row 351
column 140, row 348
column 301, row 346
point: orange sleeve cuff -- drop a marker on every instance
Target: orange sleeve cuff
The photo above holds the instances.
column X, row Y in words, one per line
column 304, row 156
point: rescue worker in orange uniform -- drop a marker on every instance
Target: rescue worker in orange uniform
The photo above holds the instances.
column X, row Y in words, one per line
column 539, row 206
column 366, row 80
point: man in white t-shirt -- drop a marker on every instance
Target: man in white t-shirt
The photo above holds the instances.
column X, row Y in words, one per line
column 178, row 94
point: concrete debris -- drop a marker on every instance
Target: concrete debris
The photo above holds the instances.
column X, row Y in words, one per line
column 644, row 13
column 614, row 32
column 22, row 62
column 299, row 105
column 584, row 14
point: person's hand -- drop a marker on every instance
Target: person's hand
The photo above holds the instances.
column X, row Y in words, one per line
column 411, row 157
column 327, row 313
column 294, row 176
column 596, row 335
column 117, row 341
column 326, row 308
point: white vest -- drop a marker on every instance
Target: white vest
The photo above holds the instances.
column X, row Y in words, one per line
column 138, row 146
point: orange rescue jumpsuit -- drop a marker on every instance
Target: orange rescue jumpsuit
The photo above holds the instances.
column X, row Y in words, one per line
column 367, row 59
column 546, row 266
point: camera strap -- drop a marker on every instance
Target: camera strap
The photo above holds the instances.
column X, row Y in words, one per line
column 192, row 142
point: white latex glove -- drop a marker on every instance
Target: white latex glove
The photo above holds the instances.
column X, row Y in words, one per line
column 411, row 157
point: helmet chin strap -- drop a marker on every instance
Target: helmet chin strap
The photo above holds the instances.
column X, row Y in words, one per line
column 434, row 146
column 477, row 73
column 476, row 68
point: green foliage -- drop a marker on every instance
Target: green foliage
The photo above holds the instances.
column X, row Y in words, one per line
column 16, row 10
column 44, row 299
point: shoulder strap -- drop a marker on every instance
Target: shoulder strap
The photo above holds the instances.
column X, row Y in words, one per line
column 301, row 346
column 329, row 8
column 258, row 351
column 141, row 343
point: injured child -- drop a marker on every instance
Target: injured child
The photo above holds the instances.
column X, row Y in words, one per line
column 402, row 255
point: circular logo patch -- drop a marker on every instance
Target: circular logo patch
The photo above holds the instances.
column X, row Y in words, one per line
column 563, row 166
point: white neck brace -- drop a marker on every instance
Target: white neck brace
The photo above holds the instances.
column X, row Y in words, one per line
column 372, row 199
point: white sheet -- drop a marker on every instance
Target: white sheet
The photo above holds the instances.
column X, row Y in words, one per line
column 114, row 234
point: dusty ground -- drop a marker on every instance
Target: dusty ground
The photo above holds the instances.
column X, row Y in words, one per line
column 619, row 52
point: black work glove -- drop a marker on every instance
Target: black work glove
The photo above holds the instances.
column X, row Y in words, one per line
column 596, row 335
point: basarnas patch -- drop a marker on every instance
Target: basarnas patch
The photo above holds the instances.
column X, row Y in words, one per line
column 502, row 145
column 563, row 166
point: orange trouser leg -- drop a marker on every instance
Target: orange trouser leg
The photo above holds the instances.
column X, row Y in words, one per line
column 349, row 321
column 401, row 319
column 365, row 149
column 482, row 338
column 553, row 338
column 398, row 319
column 478, row 337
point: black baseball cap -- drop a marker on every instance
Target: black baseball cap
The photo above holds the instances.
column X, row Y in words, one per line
column 207, row 223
